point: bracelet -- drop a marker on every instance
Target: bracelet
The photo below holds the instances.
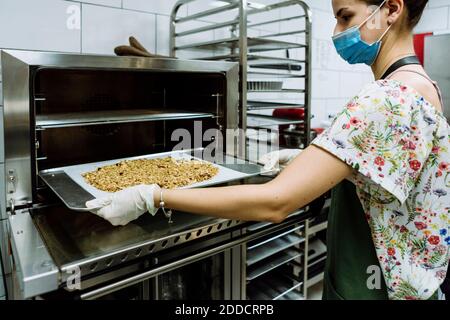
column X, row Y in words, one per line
column 162, row 205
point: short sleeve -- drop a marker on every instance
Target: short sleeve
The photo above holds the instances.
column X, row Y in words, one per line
column 383, row 137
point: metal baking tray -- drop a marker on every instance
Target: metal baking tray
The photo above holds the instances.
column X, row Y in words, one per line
column 69, row 185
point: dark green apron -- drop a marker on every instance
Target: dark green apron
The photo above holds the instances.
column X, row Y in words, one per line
column 350, row 249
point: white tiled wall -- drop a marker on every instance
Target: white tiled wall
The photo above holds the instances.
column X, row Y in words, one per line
column 436, row 17
column 97, row 26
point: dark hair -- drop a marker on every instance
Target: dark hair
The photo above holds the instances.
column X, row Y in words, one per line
column 415, row 9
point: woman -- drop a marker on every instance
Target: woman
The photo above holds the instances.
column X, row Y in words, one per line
column 386, row 157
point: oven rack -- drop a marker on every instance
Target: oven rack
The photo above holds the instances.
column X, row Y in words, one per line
column 262, row 105
column 277, row 260
column 254, row 44
column 265, row 62
column 246, row 33
column 271, row 248
column 64, row 120
column 266, row 122
column 274, row 286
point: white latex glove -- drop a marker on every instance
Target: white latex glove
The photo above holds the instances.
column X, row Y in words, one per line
column 122, row 207
column 276, row 161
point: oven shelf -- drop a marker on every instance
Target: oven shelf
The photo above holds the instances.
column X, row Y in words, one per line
column 274, row 286
column 278, row 91
column 261, row 61
column 254, row 45
column 260, row 121
column 260, row 105
column 277, row 261
column 272, row 247
column 62, row 120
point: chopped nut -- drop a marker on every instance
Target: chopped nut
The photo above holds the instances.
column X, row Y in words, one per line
column 168, row 173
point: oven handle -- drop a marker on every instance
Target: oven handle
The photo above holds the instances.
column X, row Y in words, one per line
column 98, row 293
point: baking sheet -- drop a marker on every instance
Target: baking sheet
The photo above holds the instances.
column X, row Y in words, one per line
column 60, row 179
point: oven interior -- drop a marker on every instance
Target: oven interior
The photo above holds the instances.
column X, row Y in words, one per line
column 90, row 115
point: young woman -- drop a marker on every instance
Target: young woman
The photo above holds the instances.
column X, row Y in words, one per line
column 386, row 157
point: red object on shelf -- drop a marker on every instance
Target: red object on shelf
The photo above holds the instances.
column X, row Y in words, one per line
column 295, row 114
column 318, row 130
column 292, row 114
column 419, row 45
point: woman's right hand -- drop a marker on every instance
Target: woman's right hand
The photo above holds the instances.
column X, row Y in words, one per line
column 276, row 161
column 122, row 207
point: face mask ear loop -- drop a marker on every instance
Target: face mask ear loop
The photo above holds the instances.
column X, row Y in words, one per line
column 373, row 13
column 387, row 30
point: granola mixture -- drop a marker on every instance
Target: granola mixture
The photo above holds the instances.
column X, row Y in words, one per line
column 168, row 173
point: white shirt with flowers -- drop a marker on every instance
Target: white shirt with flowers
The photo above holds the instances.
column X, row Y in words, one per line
column 399, row 146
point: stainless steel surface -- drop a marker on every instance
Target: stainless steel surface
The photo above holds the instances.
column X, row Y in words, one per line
column 17, row 67
column 2, row 130
column 84, row 241
column 241, row 239
column 244, row 49
column 3, row 214
column 71, row 193
column 256, row 244
column 209, row 27
column 305, row 260
column 273, row 247
column 260, row 121
column 437, row 66
column 4, row 248
column 292, row 296
column 237, row 46
column 255, row 60
column 34, row 267
column 259, row 105
column 273, row 287
column 65, row 120
column 320, row 227
column 201, row 14
column 264, row 85
column 254, row 45
column 315, row 280
column 16, row 101
column 277, row 260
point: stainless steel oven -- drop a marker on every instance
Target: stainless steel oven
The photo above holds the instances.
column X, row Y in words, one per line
column 62, row 110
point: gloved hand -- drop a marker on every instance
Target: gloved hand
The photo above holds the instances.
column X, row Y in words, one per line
column 276, row 161
column 124, row 206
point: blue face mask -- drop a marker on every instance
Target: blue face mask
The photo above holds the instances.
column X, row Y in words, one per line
column 353, row 49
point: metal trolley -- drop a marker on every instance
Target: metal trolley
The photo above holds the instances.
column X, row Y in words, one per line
column 272, row 43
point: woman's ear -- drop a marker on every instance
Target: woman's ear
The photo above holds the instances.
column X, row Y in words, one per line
column 395, row 10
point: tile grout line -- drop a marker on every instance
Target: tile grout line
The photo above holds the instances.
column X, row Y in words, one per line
column 81, row 28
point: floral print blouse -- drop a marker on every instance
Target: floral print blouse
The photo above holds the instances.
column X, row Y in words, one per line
column 399, row 146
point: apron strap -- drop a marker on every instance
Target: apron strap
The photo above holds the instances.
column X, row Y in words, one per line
column 441, row 99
